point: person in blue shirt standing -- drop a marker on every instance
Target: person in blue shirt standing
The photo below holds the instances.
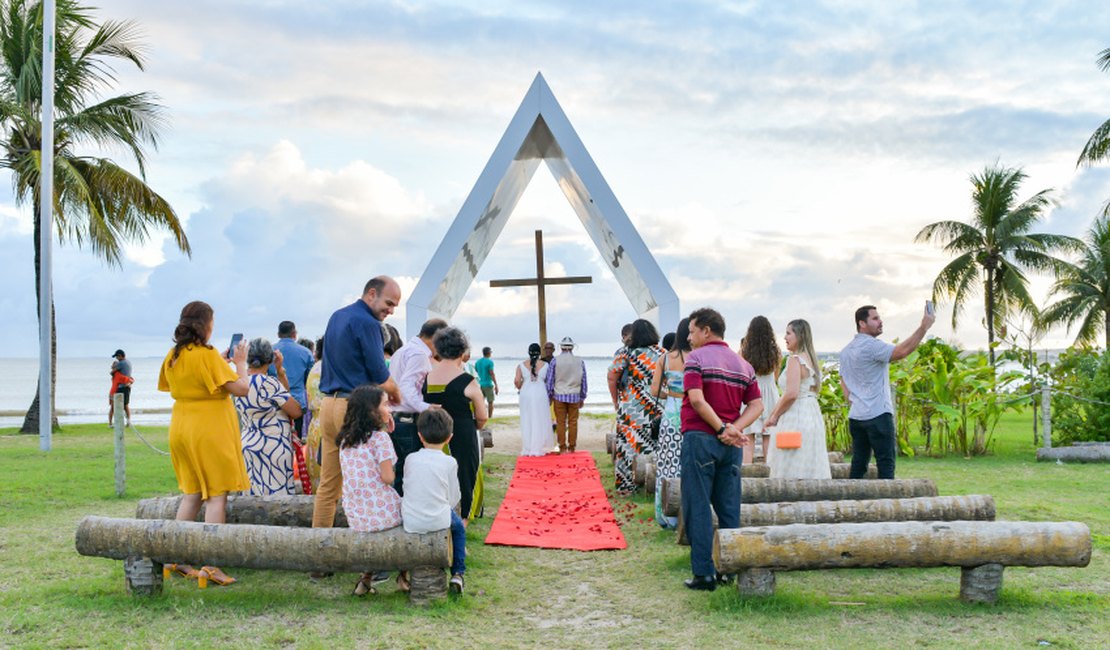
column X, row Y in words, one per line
column 353, row 357
column 298, row 362
column 487, row 379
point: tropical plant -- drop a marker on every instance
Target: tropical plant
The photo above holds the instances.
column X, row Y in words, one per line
column 97, row 202
column 1084, row 288
column 834, row 410
column 1097, row 148
column 1081, row 396
column 994, row 252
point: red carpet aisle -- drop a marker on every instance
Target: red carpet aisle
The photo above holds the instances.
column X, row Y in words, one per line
column 556, row 501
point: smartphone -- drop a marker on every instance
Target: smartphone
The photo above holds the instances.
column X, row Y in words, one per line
column 235, row 339
column 929, row 308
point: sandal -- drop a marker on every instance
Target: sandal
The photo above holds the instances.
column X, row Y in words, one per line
column 363, row 586
column 456, row 584
column 403, row 582
column 183, row 570
column 215, row 575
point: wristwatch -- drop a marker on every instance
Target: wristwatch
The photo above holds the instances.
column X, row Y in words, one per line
column 721, row 430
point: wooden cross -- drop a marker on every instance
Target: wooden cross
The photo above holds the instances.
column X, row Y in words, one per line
column 540, row 282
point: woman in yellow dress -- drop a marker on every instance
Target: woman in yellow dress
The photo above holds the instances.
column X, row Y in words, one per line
column 205, row 447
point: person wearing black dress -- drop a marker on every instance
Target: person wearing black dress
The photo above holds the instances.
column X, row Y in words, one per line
column 449, row 386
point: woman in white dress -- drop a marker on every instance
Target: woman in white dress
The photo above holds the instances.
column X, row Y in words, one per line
column 798, row 410
column 759, row 348
column 536, row 436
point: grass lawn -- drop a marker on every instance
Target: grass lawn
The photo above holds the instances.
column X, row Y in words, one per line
column 51, row 597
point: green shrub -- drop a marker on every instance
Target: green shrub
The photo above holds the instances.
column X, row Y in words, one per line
column 1084, row 374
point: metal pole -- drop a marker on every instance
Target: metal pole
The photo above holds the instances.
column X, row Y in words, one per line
column 1046, row 417
column 121, row 456
column 46, row 233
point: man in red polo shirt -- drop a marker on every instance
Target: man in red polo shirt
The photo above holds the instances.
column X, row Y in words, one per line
column 722, row 399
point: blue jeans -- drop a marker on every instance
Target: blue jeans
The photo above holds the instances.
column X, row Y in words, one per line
column 875, row 434
column 710, row 478
column 458, row 544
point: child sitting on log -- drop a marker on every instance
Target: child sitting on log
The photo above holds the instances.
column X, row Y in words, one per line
column 366, row 457
column 431, row 489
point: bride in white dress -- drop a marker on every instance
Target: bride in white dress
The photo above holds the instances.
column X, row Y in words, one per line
column 536, row 436
column 798, row 410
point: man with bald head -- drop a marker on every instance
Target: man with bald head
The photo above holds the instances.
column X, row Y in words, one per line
column 353, row 356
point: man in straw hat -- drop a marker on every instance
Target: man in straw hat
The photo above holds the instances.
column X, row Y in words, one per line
column 566, row 388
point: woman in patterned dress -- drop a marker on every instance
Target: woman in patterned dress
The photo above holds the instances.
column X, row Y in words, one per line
column 266, row 415
column 366, row 456
column 636, row 406
column 668, row 381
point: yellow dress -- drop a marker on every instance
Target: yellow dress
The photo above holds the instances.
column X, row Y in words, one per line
column 205, row 447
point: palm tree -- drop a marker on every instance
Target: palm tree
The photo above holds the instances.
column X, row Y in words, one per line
column 996, row 249
column 97, row 203
column 1098, row 146
column 1085, row 289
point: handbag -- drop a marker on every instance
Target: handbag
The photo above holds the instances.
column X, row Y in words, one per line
column 788, row 439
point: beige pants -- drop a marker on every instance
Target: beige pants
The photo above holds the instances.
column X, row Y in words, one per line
column 566, row 424
column 330, row 490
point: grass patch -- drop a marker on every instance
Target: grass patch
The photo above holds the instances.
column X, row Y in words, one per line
column 519, row 597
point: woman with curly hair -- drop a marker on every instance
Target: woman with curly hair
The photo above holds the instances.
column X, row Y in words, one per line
column 760, row 349
column 205, row 448
column 266, row 415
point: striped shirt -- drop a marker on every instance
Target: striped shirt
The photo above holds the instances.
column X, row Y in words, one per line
column 726, row 380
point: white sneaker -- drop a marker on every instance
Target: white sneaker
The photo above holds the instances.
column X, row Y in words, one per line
column 456, row 584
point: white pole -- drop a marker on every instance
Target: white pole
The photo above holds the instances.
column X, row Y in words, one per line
column 121, row 452
column 46, row 232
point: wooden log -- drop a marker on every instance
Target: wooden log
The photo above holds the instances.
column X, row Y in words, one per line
column 1077, row 454
column 640, row 464
column 843, row 470
column 610, row 443
column 264, row 547
column 142, row 576
column 902, row 544
column 836, row 457
column 981, row 584
column 487, row 439
column 275, row 510
column 772, row 490
column 973, row 507
column 649, row 480
column 755, row 471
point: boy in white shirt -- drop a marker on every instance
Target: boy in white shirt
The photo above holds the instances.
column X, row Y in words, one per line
column 431, row 490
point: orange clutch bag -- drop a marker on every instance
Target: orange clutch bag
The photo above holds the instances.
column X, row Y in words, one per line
column 788, row 439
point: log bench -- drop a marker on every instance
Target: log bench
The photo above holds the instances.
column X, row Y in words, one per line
column 644, row 471
column 275, row 510
column 980, row 548
column 772, row 490
column 972, row 507
column 145, row 545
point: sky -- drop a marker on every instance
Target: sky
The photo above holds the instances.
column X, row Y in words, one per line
column 777, row 158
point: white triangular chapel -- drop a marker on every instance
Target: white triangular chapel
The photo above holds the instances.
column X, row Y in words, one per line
column 540, row 131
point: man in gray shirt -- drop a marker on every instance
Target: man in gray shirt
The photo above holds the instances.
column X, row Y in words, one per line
column 865, row 380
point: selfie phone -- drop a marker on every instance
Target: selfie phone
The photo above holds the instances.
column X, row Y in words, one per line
column 235, row 339
column 929, row 308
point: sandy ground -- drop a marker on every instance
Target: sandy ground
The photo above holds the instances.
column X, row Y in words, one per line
column 591, row 434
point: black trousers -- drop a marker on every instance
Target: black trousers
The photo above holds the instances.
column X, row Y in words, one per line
column 405, row 442
column 876, row 434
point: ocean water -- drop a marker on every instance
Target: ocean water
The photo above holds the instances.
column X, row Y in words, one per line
column 83, row 383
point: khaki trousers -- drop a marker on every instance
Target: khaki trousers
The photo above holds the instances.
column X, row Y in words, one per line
column 566, row 423
column 330, row 490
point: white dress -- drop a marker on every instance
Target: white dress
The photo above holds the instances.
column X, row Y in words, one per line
column 536, row 436
column 811, row 460
column 769, row 393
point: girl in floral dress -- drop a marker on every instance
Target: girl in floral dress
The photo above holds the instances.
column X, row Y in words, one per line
column 366, row 457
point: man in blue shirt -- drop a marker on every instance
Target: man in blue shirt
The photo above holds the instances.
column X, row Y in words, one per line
column 297, row 361
column 353, row 356
column 487, row 379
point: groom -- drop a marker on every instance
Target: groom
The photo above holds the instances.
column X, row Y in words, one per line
column 566, row 388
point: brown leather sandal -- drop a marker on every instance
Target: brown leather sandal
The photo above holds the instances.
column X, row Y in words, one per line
column 363, row 586
column 217, row 576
